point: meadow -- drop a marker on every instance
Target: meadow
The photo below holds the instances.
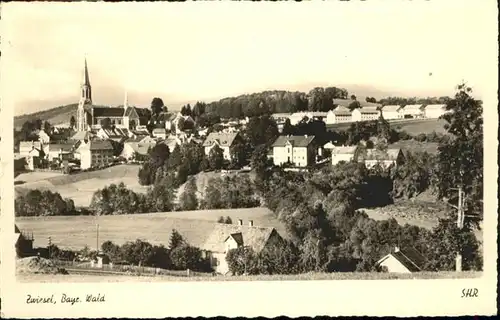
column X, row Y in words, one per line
column 299, row 277
column 80, row 186
column 76, row 232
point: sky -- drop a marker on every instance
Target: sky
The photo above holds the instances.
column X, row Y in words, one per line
column 204, row 51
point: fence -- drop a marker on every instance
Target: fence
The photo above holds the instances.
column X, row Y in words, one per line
column 128, row 269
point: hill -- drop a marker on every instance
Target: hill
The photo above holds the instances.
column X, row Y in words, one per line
column 57, row 115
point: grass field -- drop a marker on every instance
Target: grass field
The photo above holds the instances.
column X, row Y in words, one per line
column 303, row 277
column 78, row 231
column 81, row 186
column 412, row 126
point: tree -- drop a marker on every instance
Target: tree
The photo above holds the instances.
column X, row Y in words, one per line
column 353, row 97
column 157, row 106
column 106, row 123
column 228, row 220
column 259, row 161
column 287, row 128
column 261, row 130
column 47, row 127
column 216, row 157
column 188, row 199
column 186, row 257
column 238, row 153
column 461, row 156
column 72, row 122
column 220, row 220
column 242, row 260
column 176, row 240
column 132, row 124
column 161, row 197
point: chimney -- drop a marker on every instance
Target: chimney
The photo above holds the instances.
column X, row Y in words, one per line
column 240, row 222
column 396, row 249
column 250, row 223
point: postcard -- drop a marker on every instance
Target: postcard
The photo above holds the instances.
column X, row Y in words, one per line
column 248, row 159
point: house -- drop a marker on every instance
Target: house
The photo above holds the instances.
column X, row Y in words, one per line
column 365, row 114
column 116, row 134
column 23, row 243
column 131, row 148
column 34, row 158
column 434, row 111
column 159, row 133
column 59, row 151
column 391, row 112
column 343, row 153
column 412, row 111
column 26, row 146
column 95, row 153
column 172, row 123
column 280, row 118
column 338, row 115
column 82, row 136
column 226, row 237
column 43, row 137
column 406, row 260
column 297, row 117
column 385, row 158
column 224, row 140
column 296, row 150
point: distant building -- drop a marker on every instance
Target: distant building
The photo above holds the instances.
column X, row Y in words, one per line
column 338, row 115
column 23, row 243
column 434, row 111
column 295, row 150
column 391, row 112
column 224, row 140
column 43, row 137
column 280, row 118
column 408, row 260
column 25, row 147
column 131, row 148
column 225, row 237
column 60, row 151
column 95, row 153
column 412, row 111
column 365, row 114
column 34, row 158
column 115, row 134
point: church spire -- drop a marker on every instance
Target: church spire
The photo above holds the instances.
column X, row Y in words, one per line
column 86, row 80
column 86, row 87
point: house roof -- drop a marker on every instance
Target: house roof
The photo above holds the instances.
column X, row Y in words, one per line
column 159, row 130
column 30, row 144
column 238, row 237
column 100, row 145
column 60, row 146
column 408, row 257
column 329, row 145
column 435, row 106
column 344, row 150
column 108, row 112
column 81, row 135
column 368, row 109
column 341, row 110
column 392, row 107
column 374, row 154
column 140, row 148
column 222, row 138
column 296, row 141
column 254, row 237
column 166, row 116
column 417, row 107
column 280, row 115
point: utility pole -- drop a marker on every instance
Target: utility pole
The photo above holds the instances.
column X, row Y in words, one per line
column 97, row 240
column 460, row 225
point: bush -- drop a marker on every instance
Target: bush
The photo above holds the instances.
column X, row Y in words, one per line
column 187, row 257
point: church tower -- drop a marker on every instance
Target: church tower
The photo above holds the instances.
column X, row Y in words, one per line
column 85, row 99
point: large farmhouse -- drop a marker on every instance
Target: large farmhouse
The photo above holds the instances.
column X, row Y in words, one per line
column 298, row 151
column 224, row 140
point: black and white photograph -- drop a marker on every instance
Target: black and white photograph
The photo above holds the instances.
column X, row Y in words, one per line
column 229, row 144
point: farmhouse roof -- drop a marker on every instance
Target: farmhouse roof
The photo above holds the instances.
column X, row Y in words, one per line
column 238, row 237
column 166, row 116
column 223, row 139
column 391, row 108
column 254, row 237
column 140, row 148
column 408, row 257
column 108, row 112
column 296, row 141
column 369, row 109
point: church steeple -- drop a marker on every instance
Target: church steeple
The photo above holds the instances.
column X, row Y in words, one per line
column 86, row 88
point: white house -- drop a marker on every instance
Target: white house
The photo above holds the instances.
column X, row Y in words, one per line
column 34, row 157
column 130, row 148
column 159, row 133
column 343, row 153
column 61, row 151
column 25, row 147
column 372, row 157
column 296, row 150
column 413, row 111
column 224, row 140
column 391, row 112
column 43, row 137
column 280, row 118
column 434, row 111
column 365, row 114
column 95, row 153
column 226, row 237
column 408, row 260
column 338, row 115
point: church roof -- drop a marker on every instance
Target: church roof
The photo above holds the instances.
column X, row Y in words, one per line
column 108, row 112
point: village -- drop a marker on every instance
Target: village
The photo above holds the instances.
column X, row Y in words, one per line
column 102, row 137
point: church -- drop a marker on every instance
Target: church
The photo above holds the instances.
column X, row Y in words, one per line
column 91, row 117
